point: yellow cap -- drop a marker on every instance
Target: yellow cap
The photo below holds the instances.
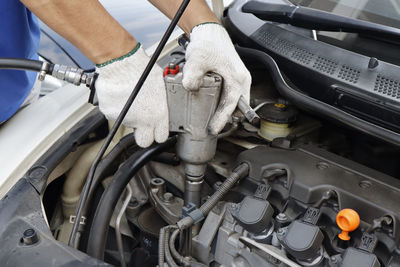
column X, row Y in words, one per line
column 348, row 221
column 279, row 105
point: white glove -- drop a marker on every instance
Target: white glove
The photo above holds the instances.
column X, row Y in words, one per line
column 211, row 50
column 149, row 112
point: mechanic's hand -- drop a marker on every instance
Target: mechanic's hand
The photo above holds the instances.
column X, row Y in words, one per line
column 149, row 112
column 211, row 50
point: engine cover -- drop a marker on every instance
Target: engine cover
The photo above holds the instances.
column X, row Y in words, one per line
column 311, row 172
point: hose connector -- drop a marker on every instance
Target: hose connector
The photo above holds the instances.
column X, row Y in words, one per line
column 72, row 75
column 44, row 70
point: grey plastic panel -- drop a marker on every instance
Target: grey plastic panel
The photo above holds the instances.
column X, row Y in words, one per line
column 339, row 65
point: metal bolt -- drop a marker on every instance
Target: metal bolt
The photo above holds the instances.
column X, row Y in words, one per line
column 281, row 217
column 168, row 197
column 373, row 63
column 30, row 237
column 333, row 259
column 280, row 231
column 133, row 203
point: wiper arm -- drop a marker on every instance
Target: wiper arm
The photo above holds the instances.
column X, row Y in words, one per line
column 314, row 19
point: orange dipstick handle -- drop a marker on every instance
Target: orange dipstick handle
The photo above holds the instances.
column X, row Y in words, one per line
column 348, row 221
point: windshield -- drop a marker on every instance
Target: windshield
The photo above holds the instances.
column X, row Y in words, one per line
column 385, row 12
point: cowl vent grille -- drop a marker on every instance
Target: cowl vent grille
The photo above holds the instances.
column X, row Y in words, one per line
column 325, row 65
column 349, row 74
column 387, row 86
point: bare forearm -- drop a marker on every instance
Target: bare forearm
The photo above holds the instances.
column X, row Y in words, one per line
column 89, row 27
column 197, row 12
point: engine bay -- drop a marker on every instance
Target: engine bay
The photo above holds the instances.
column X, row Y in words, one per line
column 286, row 210
column 294, row 187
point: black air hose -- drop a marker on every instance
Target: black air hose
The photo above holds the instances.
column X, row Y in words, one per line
column 108, row 201
column 21, row 64
column 107, row 166
column 311, row 104
column 103, row 169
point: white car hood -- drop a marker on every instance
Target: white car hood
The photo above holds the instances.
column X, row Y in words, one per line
column 35, row 128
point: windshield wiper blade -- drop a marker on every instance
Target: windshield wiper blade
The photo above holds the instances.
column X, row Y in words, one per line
column 314, row 19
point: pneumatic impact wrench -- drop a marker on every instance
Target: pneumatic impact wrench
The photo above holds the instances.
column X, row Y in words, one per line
column 189, row 115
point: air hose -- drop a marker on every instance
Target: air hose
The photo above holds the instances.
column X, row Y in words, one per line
column 21, row 64
column 109, row 199
column 121, row 116
column 103, row 169
column 107, row 167
column 68, row 74
column 314, row 105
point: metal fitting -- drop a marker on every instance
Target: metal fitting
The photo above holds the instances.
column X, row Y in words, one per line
column 30, row 237
column 43, row 71
column 72, row 75
column 168, row 197
column 68, row 74
column 248, row 112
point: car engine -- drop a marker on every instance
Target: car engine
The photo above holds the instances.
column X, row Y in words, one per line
column 288, row 189
column 283, row 184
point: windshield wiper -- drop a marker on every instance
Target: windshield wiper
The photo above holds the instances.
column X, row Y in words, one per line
column 314, row 19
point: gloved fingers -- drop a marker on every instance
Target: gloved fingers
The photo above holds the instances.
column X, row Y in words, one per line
column 226, row 107
column 161, row 131
column 192, row 75
column 246, row 84
column 144, row 136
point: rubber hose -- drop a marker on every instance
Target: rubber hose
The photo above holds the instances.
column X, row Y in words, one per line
column 315, row 105
column 105, row 168
column 21, row 64
column 102, row 170
column 109, row 199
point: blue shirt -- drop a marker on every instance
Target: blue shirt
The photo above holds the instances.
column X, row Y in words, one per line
column 19, row 38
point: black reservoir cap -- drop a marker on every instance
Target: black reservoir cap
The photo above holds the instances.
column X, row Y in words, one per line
column 278, row 113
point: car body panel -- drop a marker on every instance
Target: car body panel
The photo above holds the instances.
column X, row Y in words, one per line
column 35, row 128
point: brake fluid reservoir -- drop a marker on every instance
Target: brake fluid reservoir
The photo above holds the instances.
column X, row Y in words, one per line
column 276, row 119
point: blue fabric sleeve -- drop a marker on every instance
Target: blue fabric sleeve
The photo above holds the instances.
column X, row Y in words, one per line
column 19, row 38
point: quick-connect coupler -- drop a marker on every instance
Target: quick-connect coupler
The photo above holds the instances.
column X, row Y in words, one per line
column 73, row 75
